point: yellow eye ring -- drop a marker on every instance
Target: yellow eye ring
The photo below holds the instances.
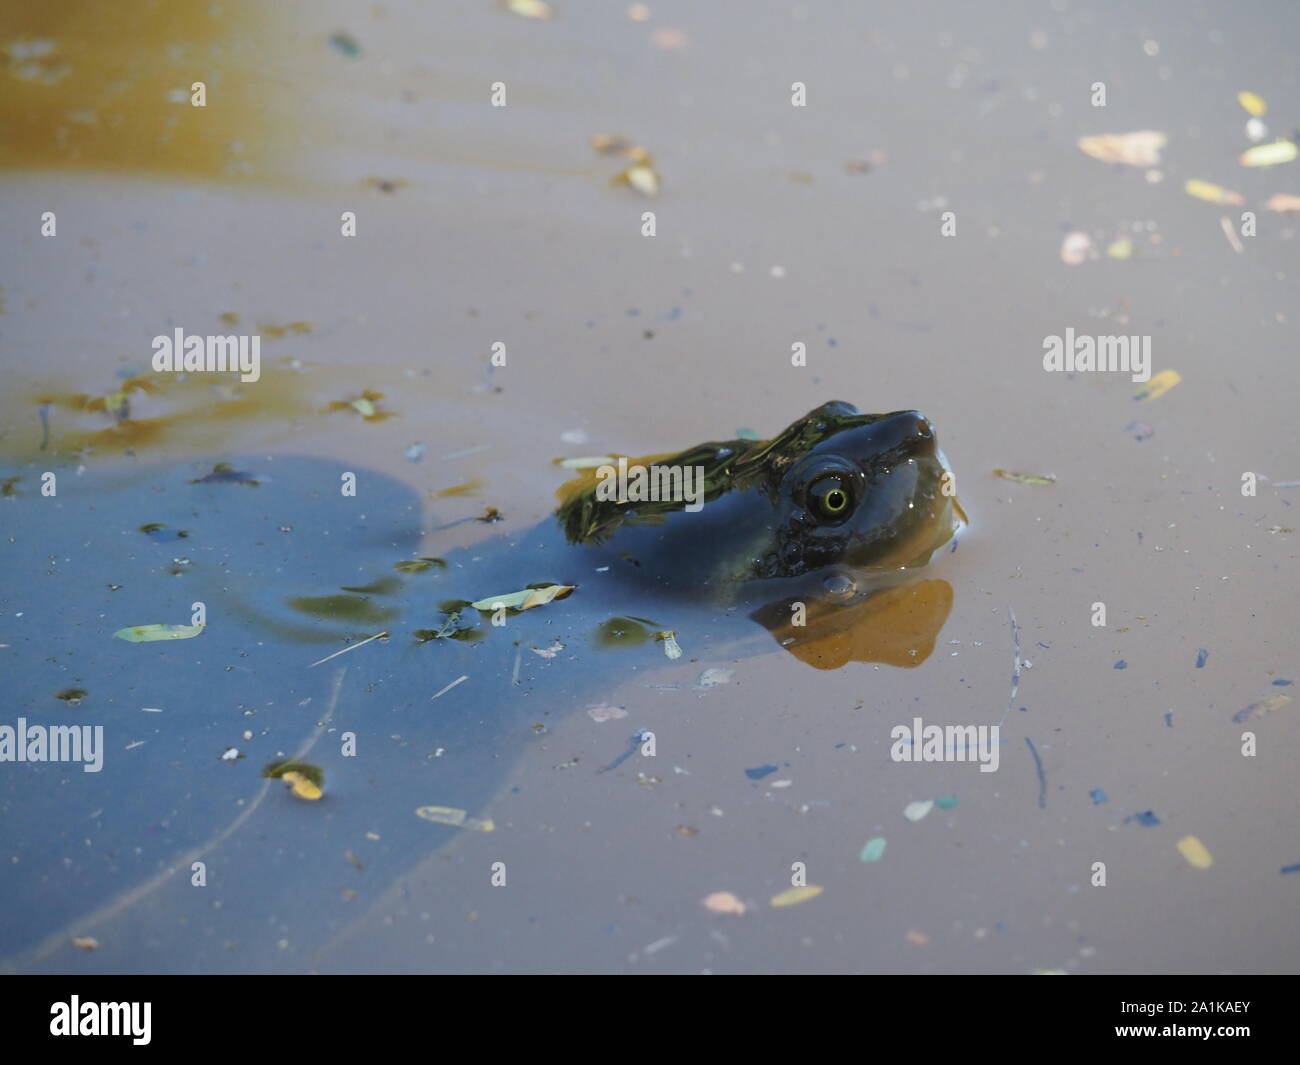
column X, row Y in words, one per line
column 830, row 497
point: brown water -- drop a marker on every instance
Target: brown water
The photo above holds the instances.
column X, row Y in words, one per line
column 499, row 224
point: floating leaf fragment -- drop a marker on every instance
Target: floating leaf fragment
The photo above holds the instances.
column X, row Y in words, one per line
column 301, row 786
column 602, row 713
column 275, row 332
column 151, row 633
column 724, row 902
column 72, row 696
column 345, row 44
column 669, row 639
column 589, row 462
column 641, row 176
column 548, row 652
column 449, row 815
column 1259, row 709
column 525, row 599
column 917, row 939
column 874, row 850
column 1140, row 148
column 365, row 404
column 225, row 473
column 1075, row 248
column 711, row 678
column 85, row 942
column 914, row 811
column 1025, row 478
column 1283, row 201
column 305, row 780
column 795, row 895
column 1194, row 851
column 1253, row 104
column 1158, row 385
column 1269, row 154
column 419, row 565
column 537, row 9
column 1204, row 190
column 612, row 144
column 1120, row 249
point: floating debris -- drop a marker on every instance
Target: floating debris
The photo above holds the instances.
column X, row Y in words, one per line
column 669, row 639
column 443, row 691
column 1204, row 190
column 1121, row 664
column 1283, row 201
column 419, row 565
column 449, row 815
column 1140, row 430
column 365, row 404
column 915, row 811
column 1147, row 819
column 1120, row 249
column 305, row 780
column 1025, row 478
column 345, row 650
column 1269, row 154
column 1252, row 104
column 345, row 44
column 604, row 712
column 917, row 939
column 1158, row 385
column 759, row 772
column 85, row 942
column 535, row 9
column 874, row 850
column 548, row 652
column 1076, row 248
column 1097, row 796
column 641, row 176
column 724, row 902
column 1259, row 709
column 1230, row 232
column 1290, row 868
column 612, row 144
column 152, row 633
column 1194, row 851
column 72, row 696
column 277, row 332
column 795, row 895
column 588, row 462
column 1140, row 148
column 1042, row 776
column 946, row 802
column 225, row 473
column 1202, row 656
column 387, row 186
column 525, row 599
column 711, row 678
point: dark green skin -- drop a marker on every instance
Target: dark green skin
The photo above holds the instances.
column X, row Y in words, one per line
column 256, row 554
column 758, row 522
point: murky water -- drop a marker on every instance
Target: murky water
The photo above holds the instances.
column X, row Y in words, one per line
column 775, row 225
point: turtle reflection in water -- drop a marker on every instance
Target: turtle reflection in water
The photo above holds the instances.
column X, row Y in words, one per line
column 179, row 857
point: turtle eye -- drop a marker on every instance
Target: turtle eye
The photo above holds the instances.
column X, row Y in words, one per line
column 830, row 498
